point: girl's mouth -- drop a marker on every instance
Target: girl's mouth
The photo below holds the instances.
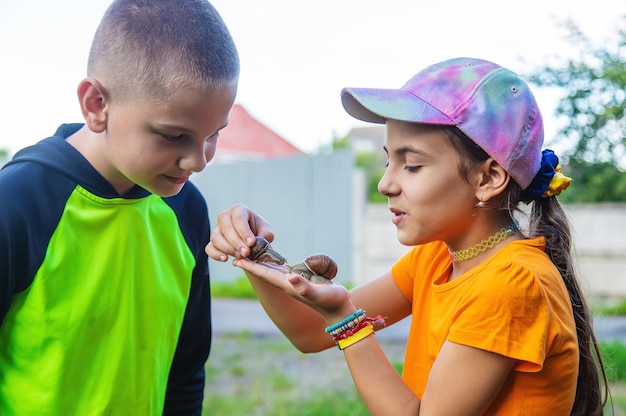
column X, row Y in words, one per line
column 397, row 216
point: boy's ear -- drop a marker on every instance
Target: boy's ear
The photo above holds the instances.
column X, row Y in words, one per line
column 93, row 101
column 493, row 180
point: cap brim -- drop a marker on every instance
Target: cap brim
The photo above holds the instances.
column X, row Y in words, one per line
column 377, row 105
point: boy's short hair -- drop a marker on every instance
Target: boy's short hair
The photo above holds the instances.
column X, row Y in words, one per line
column 153, row 47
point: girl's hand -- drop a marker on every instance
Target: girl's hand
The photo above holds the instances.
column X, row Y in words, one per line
column 235, row 233
column 331, row 300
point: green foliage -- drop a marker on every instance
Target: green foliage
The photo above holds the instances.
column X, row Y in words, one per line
column 340, row 143
column 371, row 164
column 240, row 288
column 593, row 92
column 594, row 182
column 614, row 358
column 601, row 309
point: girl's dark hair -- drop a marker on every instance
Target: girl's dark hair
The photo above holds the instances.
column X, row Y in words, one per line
column 547, row 219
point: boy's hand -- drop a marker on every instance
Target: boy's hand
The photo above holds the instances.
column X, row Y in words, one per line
column 235, row 232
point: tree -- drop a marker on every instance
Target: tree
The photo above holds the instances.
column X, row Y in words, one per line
column 593, row 87
column 4, row 155
column 369, row 162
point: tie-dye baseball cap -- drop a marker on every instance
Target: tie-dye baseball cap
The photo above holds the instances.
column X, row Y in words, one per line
column 489, row 103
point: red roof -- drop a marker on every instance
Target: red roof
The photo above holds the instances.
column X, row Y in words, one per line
column 247, row 137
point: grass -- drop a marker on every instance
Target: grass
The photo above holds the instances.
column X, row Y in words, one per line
column 278, row 391
column 239, row 289
column 613, row 308
column 250, row 376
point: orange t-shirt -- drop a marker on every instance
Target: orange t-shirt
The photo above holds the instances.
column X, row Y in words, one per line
column 514, row 303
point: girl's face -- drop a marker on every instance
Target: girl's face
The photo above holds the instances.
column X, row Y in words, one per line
column 427, row 197
column 158, row 145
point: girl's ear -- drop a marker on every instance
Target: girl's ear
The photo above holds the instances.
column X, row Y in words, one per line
column 492, row 179
column 93, row 101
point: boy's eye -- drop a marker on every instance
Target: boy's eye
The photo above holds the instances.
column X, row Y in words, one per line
column 412, row 169
column 173, row 138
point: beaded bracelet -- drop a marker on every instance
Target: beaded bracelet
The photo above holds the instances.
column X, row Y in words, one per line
column 345, row 321
column 361, row 334
column 353, row 328
column 351, row 331
column 349, row 326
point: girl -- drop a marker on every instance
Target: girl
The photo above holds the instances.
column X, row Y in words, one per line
column 499, row 323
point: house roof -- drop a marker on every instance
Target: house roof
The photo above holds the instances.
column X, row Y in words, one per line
column 246, row 137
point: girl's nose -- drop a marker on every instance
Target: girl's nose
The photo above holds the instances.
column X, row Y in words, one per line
column 386, row 185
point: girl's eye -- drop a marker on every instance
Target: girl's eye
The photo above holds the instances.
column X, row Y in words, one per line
column 412, row 169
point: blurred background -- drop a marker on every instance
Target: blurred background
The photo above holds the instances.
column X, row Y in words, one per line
column 292, row 153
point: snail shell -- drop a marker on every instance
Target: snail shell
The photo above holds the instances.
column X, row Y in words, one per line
column 318, row 268
column 263, row 253
column 321, row 265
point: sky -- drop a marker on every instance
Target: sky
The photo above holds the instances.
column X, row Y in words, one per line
column 296, row 56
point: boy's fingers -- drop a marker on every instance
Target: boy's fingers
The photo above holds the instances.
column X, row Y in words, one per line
column 231, row 233
column 214, row 253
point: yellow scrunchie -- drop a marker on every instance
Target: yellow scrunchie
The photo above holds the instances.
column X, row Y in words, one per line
column 558, row 183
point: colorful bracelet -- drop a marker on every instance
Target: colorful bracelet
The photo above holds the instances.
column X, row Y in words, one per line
column 339, row 324
column 351, row 331
column 363, row 333
column 351, row 325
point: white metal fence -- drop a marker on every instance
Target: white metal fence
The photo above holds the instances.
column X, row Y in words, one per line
column 317, row 204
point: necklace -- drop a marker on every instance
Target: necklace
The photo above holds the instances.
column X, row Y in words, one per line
column 486, row 244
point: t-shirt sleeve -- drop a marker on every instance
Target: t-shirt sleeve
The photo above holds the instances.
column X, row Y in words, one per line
column 415, row 271
column 401, row 272
column 506, row 312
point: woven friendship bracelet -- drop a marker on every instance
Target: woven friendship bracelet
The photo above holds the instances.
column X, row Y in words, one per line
column 353, row 328
column 350, row 331
column 363, row 333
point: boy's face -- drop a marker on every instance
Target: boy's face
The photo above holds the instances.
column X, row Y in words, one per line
column 158, row 145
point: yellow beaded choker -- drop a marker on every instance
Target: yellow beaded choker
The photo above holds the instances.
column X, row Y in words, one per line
column 486, row 244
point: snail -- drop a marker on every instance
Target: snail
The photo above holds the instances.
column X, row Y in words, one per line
column 317, row 268
column 263, row 253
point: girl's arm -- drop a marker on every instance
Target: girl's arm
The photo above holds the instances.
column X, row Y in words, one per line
column 463, row 381
column 300, row 319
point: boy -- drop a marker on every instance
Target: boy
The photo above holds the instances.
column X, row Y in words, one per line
column 104, row 290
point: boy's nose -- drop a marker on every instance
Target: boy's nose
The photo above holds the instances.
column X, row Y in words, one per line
column 197, row 159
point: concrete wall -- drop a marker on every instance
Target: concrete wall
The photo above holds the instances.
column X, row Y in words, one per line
column 599, row 233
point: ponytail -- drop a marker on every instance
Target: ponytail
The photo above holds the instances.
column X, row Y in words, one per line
column 547, row 219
